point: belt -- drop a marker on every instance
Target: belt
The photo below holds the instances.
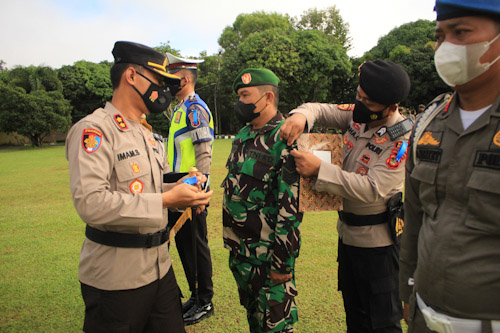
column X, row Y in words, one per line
column 362, row 220
column 118, row 239
column 442, row 323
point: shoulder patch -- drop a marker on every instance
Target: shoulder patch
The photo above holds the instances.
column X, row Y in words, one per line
column 194, row 117
column 345, row 107
column 120, row 121
column 91, row 139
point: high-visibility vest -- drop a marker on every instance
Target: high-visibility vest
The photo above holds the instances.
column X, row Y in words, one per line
column 180, row 148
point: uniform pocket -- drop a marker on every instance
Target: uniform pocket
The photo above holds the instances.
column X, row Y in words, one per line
column 426, row 173
column 484, row 197
column 281, row 310
column 132, row 169
column 254, row 182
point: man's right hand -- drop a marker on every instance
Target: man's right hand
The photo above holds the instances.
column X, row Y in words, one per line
column 184, row 195
column 293, row 127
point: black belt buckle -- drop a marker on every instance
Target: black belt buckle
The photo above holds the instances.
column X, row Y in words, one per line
column 157, row 238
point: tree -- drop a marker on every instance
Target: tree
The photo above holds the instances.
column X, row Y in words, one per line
column 412, row 46
column 413, row 34
column 329, row 21
column 246, row 24
column 2, row 66
column 86, row 85
column 34, row 78
column 34, row 115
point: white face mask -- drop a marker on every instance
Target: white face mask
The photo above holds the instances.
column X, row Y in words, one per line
column 458, row 64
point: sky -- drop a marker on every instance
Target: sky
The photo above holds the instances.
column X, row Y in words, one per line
column 60, row 32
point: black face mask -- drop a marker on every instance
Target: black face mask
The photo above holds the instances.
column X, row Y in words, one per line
column 175, row 89
column 157, row 98
column 245, row 112
column 363, row 115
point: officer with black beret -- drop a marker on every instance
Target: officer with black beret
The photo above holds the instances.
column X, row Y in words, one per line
column 450, row 251
column 374, row 154
column 116, row 169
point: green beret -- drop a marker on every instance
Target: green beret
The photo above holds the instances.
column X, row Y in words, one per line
column 252, row 77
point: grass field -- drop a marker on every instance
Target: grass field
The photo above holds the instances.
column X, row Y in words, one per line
column 41, row 236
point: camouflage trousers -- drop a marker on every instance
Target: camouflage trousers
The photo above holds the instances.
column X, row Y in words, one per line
column 270, row 306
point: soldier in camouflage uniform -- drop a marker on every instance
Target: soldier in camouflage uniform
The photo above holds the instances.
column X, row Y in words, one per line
column 260, row 208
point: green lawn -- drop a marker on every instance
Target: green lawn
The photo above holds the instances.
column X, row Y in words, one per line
column 41, row 236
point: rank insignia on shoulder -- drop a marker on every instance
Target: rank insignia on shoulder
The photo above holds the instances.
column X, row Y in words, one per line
column 120, row 121
column 136, row 186
column 382, row 131
column 193, row 99
column 496, row 139
column 345, row 107
column 91, row 139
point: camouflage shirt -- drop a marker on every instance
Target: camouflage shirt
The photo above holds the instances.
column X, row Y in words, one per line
column 260, row 208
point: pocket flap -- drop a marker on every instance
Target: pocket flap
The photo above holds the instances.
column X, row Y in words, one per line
column 483, row 180
column 131, row 169
column 425, row 172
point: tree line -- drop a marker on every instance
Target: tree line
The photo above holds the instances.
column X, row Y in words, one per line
column 308, row 53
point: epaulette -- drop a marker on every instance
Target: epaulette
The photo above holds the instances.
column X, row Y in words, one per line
column 437, row 105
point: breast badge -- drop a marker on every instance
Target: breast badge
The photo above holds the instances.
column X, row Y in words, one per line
column 91, row 139
column 496, row 139
column 428, row 140
column 136, row 186
column 362, row 171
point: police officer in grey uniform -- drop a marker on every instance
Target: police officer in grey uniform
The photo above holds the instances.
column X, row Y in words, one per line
column 190, row 140
column 450, row 252
column 374, row 153
column 116, row 171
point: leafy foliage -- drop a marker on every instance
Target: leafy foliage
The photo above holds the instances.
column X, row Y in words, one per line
column 86, row 85
column 328, row 21
column 34, row 115
column 412, row 46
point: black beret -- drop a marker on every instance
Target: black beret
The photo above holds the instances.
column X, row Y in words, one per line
column 385, row 82
column 138, row 54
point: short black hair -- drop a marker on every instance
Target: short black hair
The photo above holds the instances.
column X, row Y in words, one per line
column 274, row 89
column 117, row 71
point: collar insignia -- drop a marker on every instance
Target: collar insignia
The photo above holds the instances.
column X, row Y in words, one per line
column 120, row 121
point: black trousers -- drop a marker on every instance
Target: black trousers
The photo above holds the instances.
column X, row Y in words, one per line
column 155, row 307
column 368, row 279
column 185, row 247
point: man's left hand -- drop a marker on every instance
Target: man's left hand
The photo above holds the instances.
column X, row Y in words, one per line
column 280, row 278
column 307, row 164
